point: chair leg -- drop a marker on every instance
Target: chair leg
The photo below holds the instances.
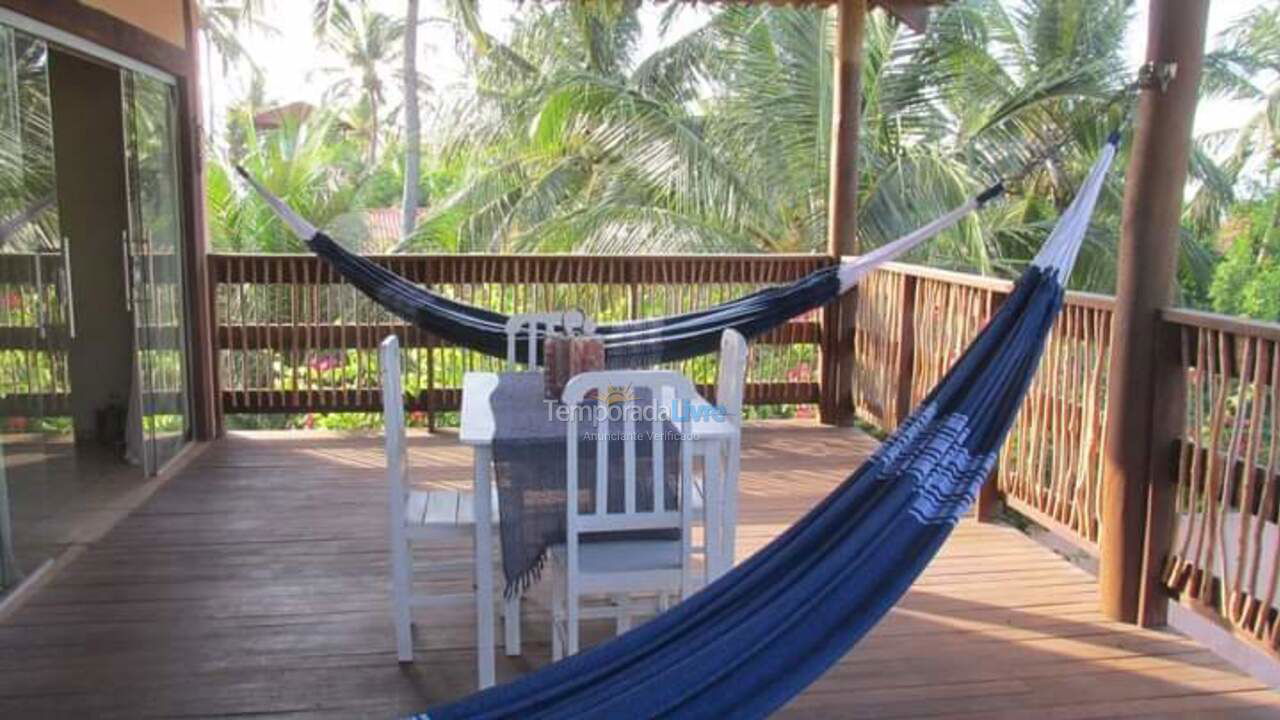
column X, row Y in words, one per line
column 511, row 625
column 571, row 619
column 557, row 617
column 401, row 582
column 712, row 527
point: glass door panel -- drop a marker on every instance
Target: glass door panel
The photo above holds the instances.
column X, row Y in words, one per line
column 35, row 423
column 155, row 243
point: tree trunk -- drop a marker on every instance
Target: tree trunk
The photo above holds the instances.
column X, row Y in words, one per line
column 412, row 124
column 373, row 130
column 211, row 127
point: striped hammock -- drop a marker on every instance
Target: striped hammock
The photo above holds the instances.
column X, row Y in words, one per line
column 642, row 343
column 753, row 639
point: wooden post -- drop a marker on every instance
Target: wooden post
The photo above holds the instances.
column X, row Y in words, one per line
column 842, row 210
column 206, row 409
column 906, row 361
column 990, row 502
column 1142, row 380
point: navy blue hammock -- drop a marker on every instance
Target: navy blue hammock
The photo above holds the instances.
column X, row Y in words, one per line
column 641, row 343
column 756, row 637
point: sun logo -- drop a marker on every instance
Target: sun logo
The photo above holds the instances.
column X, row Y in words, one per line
column 620, row 395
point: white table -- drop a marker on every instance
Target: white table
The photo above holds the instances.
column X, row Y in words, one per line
column 477, row 429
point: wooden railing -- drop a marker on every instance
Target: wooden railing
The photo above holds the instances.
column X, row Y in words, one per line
column 34, row 339
column 914, row 322
column 293, row 338
column 1224, row 559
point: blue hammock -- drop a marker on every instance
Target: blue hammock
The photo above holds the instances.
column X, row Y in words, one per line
column 640, row 343
column 752, row 640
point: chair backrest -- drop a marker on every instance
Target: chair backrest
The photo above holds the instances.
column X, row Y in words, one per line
column 638, row 404
column 731, row 377
column 530, row 328
column 393, row 421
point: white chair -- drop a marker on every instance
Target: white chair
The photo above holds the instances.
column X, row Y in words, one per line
column 529, row 327
column 715, row 490
column 618, row 569
column 730, row 385
column 426, row 516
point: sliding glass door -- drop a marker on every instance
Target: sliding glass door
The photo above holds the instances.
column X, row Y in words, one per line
column 112, row 186
column 35, row 427
column 154, row 241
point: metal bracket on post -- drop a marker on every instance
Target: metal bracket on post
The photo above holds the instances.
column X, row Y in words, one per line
column 1157, row 75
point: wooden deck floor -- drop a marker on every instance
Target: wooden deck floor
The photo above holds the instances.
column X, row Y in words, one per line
column 254, row 584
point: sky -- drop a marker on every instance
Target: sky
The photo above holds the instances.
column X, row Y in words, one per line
column 290, row 55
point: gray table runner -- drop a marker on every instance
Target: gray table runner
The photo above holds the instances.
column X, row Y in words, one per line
column 530, row 467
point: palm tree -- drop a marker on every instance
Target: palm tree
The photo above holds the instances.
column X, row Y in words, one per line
column 28, row 210
column 308, row 164
column 412, row 122
column 1037, row 85
column 719, row 141
column 1241, row 70
column 574, row 144
column 1249, row 56
column 368, row 42
column 223, row 24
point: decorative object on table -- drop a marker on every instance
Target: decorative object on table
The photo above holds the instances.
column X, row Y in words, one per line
column 557, row 350
column 556, row 372
column 586, row 352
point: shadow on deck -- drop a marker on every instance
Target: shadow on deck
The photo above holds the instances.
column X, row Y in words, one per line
column 254, row 583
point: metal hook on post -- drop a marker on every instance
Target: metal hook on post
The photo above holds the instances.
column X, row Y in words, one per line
column 1157, row 75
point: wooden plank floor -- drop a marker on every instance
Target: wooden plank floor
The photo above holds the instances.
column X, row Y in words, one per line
column 254, row 584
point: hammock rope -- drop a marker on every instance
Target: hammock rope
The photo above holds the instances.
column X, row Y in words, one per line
column 640, row 343
column 753, row 639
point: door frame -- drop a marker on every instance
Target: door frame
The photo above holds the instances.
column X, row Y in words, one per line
column 49, row 33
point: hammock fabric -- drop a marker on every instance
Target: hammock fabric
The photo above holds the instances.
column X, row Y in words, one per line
column 634, row 344
column 759, row 635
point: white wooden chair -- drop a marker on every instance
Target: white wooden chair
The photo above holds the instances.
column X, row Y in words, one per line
column 425, row 516
column 622, row 568
column 730, row 385
column 715, row 489
column 529, row 327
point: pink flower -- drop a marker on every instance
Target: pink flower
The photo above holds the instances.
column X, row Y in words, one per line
column 325, row 363
column 799, row 373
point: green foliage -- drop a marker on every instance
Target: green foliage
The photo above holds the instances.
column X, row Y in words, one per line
column 1247, row 281
column 719, row 142
column 368, row 43
column 310, row 164
column 565, row 138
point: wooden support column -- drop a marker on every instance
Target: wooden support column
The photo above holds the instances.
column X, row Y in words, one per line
column 1141, row 424
column 206, row 408
column 842, row 209
column 906, row 362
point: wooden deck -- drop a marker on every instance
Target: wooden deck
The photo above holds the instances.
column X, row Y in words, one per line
column 254, row 584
